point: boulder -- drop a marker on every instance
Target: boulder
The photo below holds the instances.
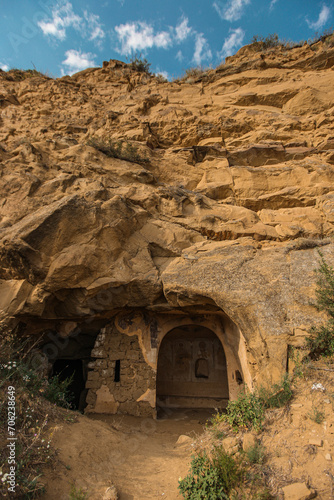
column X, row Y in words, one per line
column 298, row 491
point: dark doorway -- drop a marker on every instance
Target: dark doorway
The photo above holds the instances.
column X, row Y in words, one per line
column 192, row 369
column 66, row 368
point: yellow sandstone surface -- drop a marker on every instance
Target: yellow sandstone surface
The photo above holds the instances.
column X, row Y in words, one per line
column 223, row 193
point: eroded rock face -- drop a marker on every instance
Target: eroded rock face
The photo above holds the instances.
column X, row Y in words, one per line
column 221, row 197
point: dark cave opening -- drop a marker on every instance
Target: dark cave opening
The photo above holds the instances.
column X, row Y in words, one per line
column 75, row 369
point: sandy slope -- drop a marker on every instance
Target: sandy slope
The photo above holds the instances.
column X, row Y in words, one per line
column 139, row 456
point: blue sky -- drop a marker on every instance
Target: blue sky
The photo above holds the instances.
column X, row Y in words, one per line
column 65, row 36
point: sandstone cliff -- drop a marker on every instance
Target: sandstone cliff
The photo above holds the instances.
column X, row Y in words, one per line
column 222, row 191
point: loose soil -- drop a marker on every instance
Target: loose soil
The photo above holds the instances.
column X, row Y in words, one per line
column 138, row 455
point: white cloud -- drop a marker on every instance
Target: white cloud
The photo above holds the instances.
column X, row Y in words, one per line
column 232, row 10
column 62, row 17
column 94, row 27
column 202, row 49
column 232, row 43
column 140, row 36
column 324, row 15
column 77, row 61
column 272, row 3
column 162, row 40
column 179, row 56
column 182, row 31
column 4, row 67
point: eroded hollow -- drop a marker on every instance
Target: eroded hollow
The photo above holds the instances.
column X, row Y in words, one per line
column 68, row 358
column 192, row 370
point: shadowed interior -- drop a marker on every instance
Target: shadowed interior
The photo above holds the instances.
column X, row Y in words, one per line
column 192, row 370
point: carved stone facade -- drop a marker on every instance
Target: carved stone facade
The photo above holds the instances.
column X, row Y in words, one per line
column 144, row 361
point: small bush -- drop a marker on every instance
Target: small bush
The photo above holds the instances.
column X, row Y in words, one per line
column 77, row 494
column 316, row 415
column 19, row 372
column 57, row 391
column 320, row 340
column 137, row 63
column 327, row 37
column 278, row 395
column 191, row 74
column 210, row 478
column 194, row 72
column 122, row 150
column 256, row 454
column 301, row 368
column 248, row 410
column 269, row 42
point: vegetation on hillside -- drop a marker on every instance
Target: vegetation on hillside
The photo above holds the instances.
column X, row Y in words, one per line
column 223, row 476
column 141, row 64
column 17, row 75
column 211, row 477
column 248, row 410
column 320, row 340
column 28, row 401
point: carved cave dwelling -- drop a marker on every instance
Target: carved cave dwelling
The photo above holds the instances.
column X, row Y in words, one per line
column 142, row 362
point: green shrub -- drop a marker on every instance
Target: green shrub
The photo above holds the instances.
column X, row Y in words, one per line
column 278, row 395
column 15, row 369
column 316, row 415
column 320, row 340
column 210, row 478
column 248, row 410
column 77, row 494
column 123, row 150
column 57, row 391
column 256, row 454
column 301, row 368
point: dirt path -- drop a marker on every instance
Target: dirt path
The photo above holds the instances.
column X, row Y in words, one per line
column 139, row 456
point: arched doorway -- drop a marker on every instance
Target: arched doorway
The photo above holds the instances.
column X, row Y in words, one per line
column 191, row 369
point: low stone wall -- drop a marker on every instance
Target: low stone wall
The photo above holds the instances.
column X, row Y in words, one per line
column 119, row 376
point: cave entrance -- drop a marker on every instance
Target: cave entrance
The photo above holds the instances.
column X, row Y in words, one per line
column 75, row 369
column 192, row 369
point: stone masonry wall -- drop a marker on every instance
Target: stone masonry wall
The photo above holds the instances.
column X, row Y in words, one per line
column 136, row 377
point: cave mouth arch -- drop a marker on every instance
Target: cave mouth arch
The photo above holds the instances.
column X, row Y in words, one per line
column 191, row 369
